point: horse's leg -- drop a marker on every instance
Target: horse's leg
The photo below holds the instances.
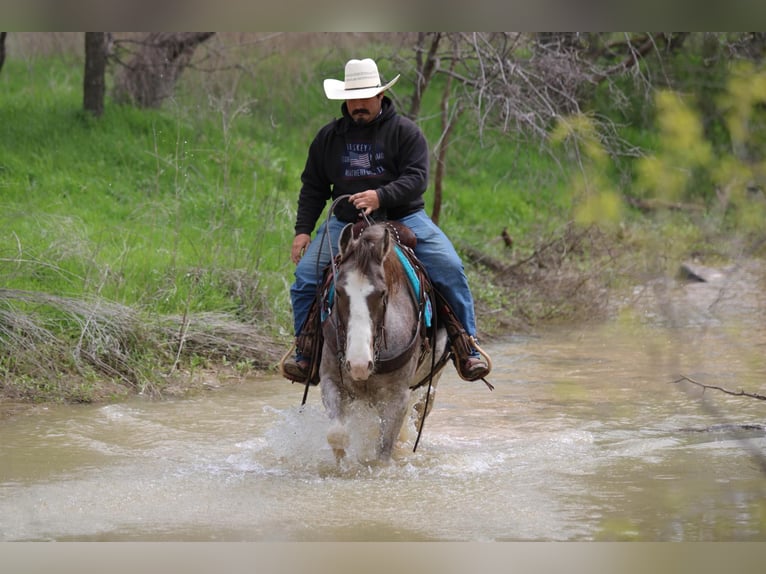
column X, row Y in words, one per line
column 426, row 398
column 392, row 413
column 423, row 405
column 337, row 435
column 337, row 438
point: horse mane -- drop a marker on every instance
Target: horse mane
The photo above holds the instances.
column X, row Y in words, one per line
column 394, row 272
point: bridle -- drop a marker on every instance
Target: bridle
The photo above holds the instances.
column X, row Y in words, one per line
column 384, row 364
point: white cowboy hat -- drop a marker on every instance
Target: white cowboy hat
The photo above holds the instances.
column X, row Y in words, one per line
column 362, row 81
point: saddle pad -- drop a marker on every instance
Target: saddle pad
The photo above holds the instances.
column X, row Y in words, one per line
column 414, row 280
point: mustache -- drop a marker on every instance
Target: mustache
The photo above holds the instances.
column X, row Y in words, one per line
column 358, row 111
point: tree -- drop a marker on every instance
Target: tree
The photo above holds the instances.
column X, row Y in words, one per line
column 525, row 83
column 2, row 48
column 151, row 73
column 95, row 71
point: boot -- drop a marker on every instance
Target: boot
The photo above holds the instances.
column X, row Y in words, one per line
column 303, row 366
column 474, row 367
column 471, row 362
column 296, row 368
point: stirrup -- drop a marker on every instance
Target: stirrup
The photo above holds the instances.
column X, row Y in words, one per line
column 295, row 372
column 461, row 361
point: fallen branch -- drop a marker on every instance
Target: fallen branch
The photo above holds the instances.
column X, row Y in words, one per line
column 740, row 393
column 727, row 427
column 479, row 257
column 656, row 204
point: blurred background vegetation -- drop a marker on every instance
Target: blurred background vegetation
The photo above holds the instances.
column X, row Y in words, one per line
column 146, row 220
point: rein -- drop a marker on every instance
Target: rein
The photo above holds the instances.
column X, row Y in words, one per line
column 393, row 362
column 326, row 237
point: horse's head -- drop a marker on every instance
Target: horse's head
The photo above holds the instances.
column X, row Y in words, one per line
column 361, row 293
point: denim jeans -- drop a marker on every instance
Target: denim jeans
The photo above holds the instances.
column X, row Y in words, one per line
column 434, row 250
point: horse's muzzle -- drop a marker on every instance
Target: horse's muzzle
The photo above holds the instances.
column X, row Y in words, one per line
column 359, row 371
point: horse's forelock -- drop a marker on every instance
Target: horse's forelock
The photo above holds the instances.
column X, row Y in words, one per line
column 366, row 248
column 365, row 252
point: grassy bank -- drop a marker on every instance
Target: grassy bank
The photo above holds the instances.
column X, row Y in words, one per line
column 142, row 248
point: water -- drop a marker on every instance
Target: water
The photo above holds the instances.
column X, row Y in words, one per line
column 585, row 437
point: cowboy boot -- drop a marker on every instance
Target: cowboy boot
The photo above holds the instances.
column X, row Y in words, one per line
column 296, row 368
column 303, row 366
column 475, row 366
column 471, row 362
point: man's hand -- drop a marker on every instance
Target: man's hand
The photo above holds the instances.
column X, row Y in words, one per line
column 366, row 200
column 300, row 243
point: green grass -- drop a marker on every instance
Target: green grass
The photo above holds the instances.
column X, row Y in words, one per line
column 169, row 212
column 149, row 208
column 172, row 209
column 189, row 210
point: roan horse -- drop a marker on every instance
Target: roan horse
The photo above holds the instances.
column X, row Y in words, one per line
column 376, row 346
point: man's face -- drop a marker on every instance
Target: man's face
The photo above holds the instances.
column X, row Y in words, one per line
column 364, row 111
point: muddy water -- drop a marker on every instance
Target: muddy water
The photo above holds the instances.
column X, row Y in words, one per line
column 585, row 437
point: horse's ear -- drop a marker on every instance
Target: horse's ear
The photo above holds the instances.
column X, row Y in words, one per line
column 346, row 236
column 386, row 244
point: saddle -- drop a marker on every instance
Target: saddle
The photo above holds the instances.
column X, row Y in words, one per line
column 403, row 235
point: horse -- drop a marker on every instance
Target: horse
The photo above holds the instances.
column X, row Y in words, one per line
column 377, row 349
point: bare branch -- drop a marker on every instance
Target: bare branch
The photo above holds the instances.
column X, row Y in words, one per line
column 151, row 74
column 2, row 48
column 740, row 393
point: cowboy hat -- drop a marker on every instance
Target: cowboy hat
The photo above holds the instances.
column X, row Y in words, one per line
column 362, row 81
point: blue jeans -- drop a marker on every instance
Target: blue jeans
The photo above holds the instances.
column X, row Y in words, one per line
column 434, row 250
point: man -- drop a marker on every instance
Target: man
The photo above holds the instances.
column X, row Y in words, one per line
column 381, row 160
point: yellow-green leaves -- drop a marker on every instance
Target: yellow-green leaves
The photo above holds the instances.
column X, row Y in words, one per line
column 594, row 198
column 746, row 90
column 685, row 169
column 668, row 174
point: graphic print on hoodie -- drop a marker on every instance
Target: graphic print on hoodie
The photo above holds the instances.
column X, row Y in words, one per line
column 361, row 160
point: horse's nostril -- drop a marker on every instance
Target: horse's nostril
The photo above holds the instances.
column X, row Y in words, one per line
column 370, row 365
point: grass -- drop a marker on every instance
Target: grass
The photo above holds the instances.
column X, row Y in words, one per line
column 140, row 247
column 164, row 212
column 138, row 204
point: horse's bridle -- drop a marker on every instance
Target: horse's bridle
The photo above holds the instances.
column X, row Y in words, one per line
column 405, row 355
column 383, row 364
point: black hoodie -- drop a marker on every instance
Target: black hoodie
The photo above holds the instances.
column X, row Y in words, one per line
column 389, row 154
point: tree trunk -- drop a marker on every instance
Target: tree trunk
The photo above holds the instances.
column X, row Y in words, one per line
column 425, row 68
column 448, row 123
column 2, row 48
column 151, row 74
column 95, row 71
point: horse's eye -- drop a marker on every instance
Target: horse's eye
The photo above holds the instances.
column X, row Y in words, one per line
column 379, row 296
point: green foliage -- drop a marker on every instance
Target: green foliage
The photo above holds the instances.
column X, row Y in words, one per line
column 594, row 197
column 683, row 152
column 133, row 205
column 687, row 166
column 190, row 208
column 684, row 164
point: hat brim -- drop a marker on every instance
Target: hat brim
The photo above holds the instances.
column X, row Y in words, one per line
column 336, row 90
